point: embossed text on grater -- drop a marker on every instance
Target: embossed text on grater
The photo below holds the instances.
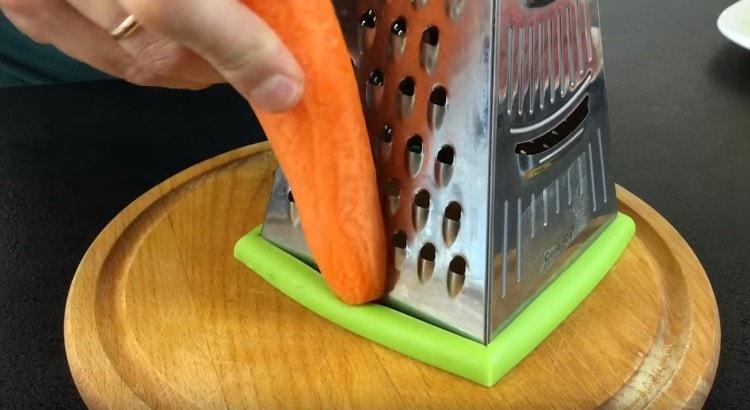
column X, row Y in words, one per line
column 489, row 133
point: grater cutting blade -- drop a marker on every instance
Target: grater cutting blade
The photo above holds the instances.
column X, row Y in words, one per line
column 489, row 132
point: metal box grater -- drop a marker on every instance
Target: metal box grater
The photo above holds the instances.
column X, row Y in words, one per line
column 490, row 135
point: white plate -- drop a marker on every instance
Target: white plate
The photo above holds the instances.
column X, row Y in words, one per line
column 734, row 23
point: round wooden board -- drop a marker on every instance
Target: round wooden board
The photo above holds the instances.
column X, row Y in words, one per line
column 160, row 315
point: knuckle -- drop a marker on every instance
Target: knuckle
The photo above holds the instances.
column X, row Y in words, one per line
column 139, row 75
column 260, row 53
column 161, row 57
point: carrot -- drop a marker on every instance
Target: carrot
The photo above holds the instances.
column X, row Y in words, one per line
column 322, row 145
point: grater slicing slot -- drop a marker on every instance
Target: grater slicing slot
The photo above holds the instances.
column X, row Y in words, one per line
column 550, row 139
column 536, row 155
column 538, row 3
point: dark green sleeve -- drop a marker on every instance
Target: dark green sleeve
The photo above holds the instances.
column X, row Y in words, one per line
column 24, row 62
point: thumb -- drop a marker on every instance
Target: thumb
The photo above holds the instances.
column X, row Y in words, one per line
column 234, row 40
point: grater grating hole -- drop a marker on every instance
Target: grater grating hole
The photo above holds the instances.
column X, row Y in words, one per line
column 414, row 144
column 398, row 35
column 393, row 192
column 428, row 49
column 399, row 240
column 422, row 199
column 386, row 139
column 426, row 262
column 414, row 154
column 420, row 209
column 387, row 134
column 456, row 275
column 446, row 155
column 439, row 96
column 398, row 28
column 366, row 30
column 453, row 211
column 436, row 109
column 292, row 209
column 406, row 86
column 458, row 265
column 374, row 89
column 444, row 165
column 451, row 222
column 399, row 248
column 431, row 36
column 376, row 78
column 405, row 101
column 368, row 19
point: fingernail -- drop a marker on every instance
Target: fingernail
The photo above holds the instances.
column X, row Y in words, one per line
column 277, row 93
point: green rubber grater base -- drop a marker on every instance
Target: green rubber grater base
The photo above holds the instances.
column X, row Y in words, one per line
column 483, row 364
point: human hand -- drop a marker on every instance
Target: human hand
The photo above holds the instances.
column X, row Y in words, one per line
column 178, row 44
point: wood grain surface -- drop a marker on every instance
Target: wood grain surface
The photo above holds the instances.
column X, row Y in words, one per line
column 159, row 314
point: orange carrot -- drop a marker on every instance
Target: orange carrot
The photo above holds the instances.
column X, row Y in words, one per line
column 322, row 145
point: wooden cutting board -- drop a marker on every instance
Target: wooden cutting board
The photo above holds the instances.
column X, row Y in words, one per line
column 160, row 315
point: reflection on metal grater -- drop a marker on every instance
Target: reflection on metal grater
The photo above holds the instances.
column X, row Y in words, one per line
column 489, row 131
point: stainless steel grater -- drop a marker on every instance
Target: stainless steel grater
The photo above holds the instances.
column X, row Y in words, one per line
column 490, row 134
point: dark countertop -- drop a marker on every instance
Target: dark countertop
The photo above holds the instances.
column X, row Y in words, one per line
column 72, row 156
